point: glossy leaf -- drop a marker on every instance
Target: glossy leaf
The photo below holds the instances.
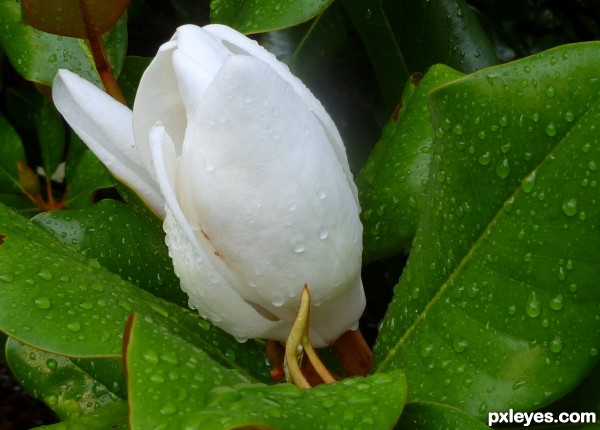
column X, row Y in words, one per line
column 37, row 56
column 310, row 48
column 73, row 18
column 256, row 16
column 51, row 136
column 54, row 299
column 176, row 385
column 498, row 307
column 436, row 416
column 85, row 178
column 112, row 416
column 439, row 31
column 392, row 184
column 113, row 234
column 12, row 152
column 56, row 380
column 387, row 59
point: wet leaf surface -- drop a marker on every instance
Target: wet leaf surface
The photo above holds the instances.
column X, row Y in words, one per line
column 176, row 385
column 497, row 307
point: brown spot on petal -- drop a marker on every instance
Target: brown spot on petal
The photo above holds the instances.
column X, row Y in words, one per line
column 205, row 235
column 218, row 254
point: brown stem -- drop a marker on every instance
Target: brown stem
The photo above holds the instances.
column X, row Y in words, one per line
column 354, row 353
column 99, row 55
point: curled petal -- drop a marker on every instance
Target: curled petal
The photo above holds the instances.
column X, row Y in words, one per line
column 274, row 199
column 158, row 97
column 105, row 126
column 237, row 43
column 196, row 265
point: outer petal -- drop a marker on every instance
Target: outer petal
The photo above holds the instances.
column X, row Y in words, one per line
column 158, row 97
column 105, row 126
column 208, row 290
column 274, row 198
column 237, row 43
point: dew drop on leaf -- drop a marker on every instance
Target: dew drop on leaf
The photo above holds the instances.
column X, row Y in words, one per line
column 569, row 207
column 42, row 303
column 533, row 307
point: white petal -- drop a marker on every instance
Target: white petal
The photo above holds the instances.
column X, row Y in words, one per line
column 266, row 184
column 240, row 44
column 158, row 97
column 208, row 290
column 105, row 126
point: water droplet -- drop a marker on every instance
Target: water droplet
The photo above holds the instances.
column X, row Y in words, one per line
column 528, row 182
column 503, row 121
column 74, row 326
column 569, row 116
column 484, row 159
column 97, row 287
column 168, row 409
column 151, row 357
column 557, row 302
column 321, row 193
column 459, row 344
column 512, row 309
column 42, row 303
column 550, row 91
column 323, row 233
column 51, row 364
column 503, row 168
column 458, row 129
column 278, row 300
column 569, row 207
column 124, row 305
column 7, row 278
column 157, row 378
column 592, row 165
column 533, row 307
column 556, row 345
column 86, row 305
column 298, row 246
column 208, row 165
column 44, row 274
column 551, row 129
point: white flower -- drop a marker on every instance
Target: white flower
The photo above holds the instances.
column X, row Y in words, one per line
column 250, row 173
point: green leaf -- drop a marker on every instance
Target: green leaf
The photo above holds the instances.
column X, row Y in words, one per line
column 439, row 31
column 129, row 79
column 498, row 305
column 408, row 36
column 53, row 299
column 12, row 151
column 257, row 16
column 73, row 18
column 309, row 48
column 86, row 176
column 173, row 384
column 113, row 234
column 392, row 184
column 435, row 416
column 387, row 59
column 51, row 136
column 37, row 56
column 56, row 380
column 112, row 416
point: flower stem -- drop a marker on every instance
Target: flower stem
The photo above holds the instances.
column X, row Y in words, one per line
column 99, row 55
column 298, row 340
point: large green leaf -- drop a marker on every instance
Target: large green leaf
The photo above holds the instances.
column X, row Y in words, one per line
column 37, row 56
column 396, row 172
column 112, row 416
column 173, row 384
column 498, row 305
column 53, row 299
column 436, row 416
column 112, row 233
column 309, row 48
column 60, row 383
column 256, row 16
column 408, row 36
column 51, row 136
